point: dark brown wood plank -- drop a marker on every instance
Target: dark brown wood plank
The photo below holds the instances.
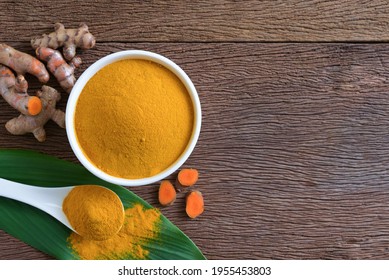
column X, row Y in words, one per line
column 202, row 21
column 293, row 152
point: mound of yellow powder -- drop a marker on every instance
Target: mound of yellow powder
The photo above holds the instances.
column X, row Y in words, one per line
column 94, row 211
column 140, row 227
column 133, row 119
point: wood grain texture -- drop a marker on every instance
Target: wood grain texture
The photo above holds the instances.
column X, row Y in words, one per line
column 293, row 153
column 202, row 21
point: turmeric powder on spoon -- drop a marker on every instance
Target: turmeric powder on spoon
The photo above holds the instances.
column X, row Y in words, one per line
column 95, row 212
column 133, row 119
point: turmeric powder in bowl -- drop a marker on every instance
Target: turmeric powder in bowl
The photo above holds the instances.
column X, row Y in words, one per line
column 134, row 119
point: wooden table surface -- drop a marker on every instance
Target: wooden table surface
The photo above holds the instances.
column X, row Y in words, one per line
column 294, row 147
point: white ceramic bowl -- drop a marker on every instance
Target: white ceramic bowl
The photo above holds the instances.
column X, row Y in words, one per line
column 89, row 73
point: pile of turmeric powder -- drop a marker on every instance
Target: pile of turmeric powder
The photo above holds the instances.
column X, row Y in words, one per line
column 94, row 212
column 141, row 226
column 104, row 231
column 134, row 118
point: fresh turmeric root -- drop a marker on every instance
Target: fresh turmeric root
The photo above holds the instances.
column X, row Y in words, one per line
column 34, row 124
column 187, row 177
column 194, row 204
column 63, row 72
column 23, row 63
column 14, row 91
column 69, row 39
column 167, row 193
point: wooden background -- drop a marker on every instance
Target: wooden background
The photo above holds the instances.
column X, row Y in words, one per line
column 294, row 147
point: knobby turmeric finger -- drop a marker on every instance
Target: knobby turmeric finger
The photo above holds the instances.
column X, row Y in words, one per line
column 167, row 193
column 21, row 84
column 34, row 124
column 187, row 177
column 14, row 91
column 194, row 204
column 23, row 63
column 69, row 39
column 63, row 72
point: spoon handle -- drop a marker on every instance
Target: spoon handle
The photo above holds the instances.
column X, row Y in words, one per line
column 32, row 195
column 18, row 191
column 47, row 199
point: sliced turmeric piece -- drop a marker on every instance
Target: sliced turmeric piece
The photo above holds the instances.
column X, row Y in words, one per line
column 194, row 204
column 14, row 91
column 34, row 124
column 187, row 177
column 167, row 193
column 34, row 106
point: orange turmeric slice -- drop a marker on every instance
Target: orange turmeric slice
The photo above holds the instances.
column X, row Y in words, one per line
column 188, row 177
column 167, row 193
column 194, row 204
column 34, row 106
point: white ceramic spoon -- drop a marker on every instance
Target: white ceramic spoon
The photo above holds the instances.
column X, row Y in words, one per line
column 49, row 200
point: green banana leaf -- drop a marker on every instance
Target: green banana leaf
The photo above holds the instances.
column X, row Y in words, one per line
column 43, row 232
